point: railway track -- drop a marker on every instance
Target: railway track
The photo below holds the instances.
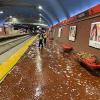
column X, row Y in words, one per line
column 7, row 45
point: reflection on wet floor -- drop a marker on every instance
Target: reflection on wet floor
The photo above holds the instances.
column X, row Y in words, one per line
column 46, row 74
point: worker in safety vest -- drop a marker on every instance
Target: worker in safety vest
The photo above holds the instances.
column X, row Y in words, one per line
column 41, row 37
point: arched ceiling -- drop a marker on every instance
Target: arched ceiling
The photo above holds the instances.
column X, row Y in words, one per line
column 52, row 12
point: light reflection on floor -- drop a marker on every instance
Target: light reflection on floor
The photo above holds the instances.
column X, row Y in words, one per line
column 39, row 75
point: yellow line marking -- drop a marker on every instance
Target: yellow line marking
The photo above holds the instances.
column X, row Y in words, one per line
column 11, row 61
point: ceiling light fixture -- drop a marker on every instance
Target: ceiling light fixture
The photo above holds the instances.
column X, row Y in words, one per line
column 10, row 17
column 38, row 26
column 40, row 7
column 1, row 12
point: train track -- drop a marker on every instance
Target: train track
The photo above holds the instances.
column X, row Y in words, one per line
column 7, row 45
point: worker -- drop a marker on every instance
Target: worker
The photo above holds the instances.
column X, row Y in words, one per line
column 45, row 38
column 41, row 37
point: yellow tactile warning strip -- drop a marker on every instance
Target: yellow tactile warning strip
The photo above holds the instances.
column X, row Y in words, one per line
column 8, row 65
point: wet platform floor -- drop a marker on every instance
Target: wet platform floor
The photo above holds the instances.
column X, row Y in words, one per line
column 48, row 75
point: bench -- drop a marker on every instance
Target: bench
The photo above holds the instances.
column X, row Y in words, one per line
column 66, row 48
column 90, row 62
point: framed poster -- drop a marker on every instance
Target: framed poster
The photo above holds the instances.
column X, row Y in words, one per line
column 0, row 29
column 72, row 33
column 94, row 40
column 59, row 32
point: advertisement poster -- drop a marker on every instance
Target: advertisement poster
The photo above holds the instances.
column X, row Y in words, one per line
column 72, row 33
column 0, row 29
column 59, row 32
column 94, row 40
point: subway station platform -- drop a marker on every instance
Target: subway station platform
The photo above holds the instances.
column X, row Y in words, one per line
column 46, row 74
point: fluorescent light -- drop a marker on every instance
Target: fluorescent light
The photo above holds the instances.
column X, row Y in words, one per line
column 40, row 7
column 38, row 26
column 1, row 12
column 10, row 17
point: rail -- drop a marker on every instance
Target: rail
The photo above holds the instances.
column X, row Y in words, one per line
column 5, row 46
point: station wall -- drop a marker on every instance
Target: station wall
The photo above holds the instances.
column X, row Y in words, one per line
column 82, row 38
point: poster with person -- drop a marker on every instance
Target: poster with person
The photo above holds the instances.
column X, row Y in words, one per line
column 72, row 33
column 94, row 40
